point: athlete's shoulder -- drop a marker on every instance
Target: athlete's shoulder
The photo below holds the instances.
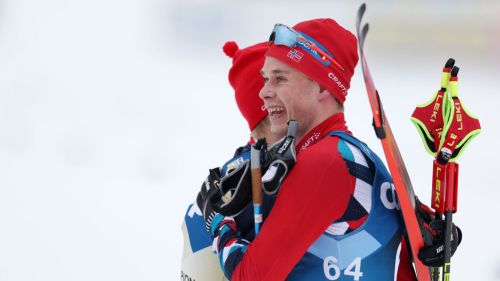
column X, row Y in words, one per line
column 319, row 163
column 325, row 151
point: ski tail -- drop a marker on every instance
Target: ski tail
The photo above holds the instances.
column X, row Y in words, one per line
column 395, row 162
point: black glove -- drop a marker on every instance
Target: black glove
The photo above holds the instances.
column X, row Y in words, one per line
column 209, row 192
column 432, row 254
column 278, row 160
column 236, row 191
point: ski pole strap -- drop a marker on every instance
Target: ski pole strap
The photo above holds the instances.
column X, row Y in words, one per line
column 443, row 123
column 429, row 118
column 462, row 127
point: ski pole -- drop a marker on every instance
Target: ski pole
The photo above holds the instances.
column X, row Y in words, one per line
column 429, row 119
column 444, row 180
column 446, row 140
column 256, row 172
column 447, row 146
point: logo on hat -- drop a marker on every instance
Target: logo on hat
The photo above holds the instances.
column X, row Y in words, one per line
column 341, row 86
column 295, row 55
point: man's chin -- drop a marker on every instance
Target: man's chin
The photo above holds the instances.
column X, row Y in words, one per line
column 280, row 129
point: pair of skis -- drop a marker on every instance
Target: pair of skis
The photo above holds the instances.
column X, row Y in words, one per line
column 445, row 137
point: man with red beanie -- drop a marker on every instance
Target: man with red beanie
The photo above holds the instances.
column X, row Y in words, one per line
column 198, row 260
column 336, row 216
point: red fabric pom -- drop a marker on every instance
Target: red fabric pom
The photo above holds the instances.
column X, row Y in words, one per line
column 230, row 48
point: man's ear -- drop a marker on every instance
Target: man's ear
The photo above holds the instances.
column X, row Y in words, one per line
column 323, row 93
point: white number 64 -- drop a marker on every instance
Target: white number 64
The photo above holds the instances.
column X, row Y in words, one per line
column 332, row 270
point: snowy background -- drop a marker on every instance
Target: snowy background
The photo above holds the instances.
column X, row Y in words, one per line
column 112, row 111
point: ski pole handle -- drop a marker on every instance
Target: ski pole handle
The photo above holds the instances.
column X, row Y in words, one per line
column 438, row 186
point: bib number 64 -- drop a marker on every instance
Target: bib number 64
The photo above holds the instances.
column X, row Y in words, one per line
column 332, row 270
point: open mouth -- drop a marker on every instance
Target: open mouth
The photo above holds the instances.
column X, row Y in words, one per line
column 275, row 111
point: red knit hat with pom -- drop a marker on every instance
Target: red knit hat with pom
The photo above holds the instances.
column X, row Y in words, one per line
column 245, row 78
column 341, row 45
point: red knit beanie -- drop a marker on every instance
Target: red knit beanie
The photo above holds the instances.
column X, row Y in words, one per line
column 340, row 43
column 245, row 78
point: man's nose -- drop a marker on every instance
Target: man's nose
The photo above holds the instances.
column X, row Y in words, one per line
column 266, row 92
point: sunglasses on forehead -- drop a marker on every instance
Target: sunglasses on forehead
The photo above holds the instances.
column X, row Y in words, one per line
column 286, row 36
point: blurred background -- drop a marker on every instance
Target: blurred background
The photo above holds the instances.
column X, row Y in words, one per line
column 112, row 111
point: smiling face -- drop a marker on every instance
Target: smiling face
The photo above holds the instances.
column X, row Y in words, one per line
column 289, row 94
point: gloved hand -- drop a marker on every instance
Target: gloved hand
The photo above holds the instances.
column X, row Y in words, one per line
column 236, row 191
column 236, row 186
column 209, row 192
column 278, row 160
column 432, row 253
